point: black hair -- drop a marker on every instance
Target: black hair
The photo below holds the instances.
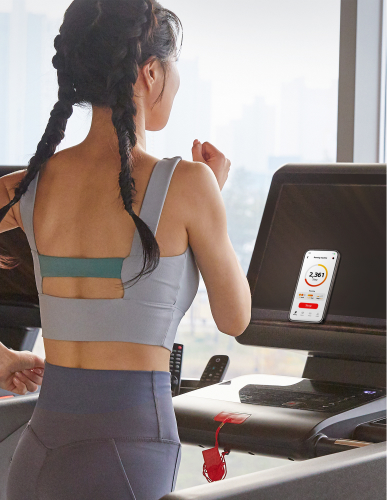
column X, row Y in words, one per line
column 100, row 48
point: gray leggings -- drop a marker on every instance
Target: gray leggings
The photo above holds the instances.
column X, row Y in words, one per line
column 98, row 435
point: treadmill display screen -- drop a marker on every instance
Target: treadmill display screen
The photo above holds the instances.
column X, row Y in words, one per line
column 347, row 218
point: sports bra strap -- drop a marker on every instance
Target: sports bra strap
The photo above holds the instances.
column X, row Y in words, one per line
column 27, row 202
column 154, row 198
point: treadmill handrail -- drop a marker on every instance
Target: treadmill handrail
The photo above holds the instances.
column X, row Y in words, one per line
column 351, row 474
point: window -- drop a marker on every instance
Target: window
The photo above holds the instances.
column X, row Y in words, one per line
column 258, row 80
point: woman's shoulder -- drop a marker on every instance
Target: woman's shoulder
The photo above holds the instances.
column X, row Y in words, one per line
column 197, row 178
column 194, row 182
column 195, row 187
column 194, row 172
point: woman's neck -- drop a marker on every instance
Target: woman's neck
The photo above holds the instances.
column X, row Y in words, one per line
column 102, row 138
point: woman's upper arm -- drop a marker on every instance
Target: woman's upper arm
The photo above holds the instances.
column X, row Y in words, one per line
column 7, row 187
column 227, row 286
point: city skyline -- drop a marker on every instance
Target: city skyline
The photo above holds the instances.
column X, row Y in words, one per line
column 254, row 134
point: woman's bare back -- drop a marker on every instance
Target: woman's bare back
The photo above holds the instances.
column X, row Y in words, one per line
column 79, row 213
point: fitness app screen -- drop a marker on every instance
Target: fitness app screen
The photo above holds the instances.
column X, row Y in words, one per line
column 314, row 286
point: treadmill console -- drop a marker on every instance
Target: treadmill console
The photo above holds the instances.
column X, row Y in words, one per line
column 310, row 395
column 292, row 393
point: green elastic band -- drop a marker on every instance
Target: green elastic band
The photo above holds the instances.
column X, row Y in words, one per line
column 61, row 267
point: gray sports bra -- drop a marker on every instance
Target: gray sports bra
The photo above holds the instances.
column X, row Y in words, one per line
column 151, row 309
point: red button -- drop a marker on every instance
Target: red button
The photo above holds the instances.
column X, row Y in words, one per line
column 307, row 305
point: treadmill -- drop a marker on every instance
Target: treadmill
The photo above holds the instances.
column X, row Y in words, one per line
column 333, row 418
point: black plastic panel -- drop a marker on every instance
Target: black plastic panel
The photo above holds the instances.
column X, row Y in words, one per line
column 310, row 395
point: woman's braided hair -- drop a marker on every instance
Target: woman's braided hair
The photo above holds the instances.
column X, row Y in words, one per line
column 101, row 46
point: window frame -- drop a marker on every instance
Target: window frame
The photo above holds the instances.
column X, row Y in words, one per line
column 361, row 130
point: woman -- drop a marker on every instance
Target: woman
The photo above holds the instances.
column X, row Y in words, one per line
column 111, row 294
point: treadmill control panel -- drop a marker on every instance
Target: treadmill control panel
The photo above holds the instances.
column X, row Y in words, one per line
column 310, row 395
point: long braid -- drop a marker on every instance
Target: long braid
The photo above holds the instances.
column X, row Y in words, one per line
column 54, row 132
column 121, row 92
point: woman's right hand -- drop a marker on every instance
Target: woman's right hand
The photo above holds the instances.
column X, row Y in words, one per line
column 20, row 371
column 211, row 156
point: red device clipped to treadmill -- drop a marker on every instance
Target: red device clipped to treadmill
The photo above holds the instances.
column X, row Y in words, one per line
column 214, row 467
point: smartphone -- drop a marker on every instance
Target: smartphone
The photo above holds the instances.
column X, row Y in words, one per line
column 314, row 286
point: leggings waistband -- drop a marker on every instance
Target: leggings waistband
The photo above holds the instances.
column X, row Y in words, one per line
column 80, row 390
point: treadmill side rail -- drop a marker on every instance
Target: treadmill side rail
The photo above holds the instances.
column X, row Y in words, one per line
column 357, row 474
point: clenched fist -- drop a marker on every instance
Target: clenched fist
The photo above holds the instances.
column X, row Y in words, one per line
column 215, row 159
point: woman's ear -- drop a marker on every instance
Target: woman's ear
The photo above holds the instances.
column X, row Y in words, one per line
column 149, row 72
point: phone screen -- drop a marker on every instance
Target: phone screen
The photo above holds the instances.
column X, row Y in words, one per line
column 314, row 286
